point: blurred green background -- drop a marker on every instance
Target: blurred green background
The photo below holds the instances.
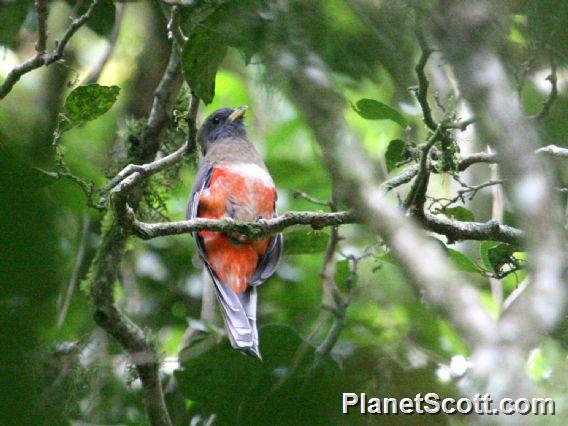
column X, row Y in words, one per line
column 58, row 367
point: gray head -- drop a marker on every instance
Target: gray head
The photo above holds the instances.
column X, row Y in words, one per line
column 223, row 123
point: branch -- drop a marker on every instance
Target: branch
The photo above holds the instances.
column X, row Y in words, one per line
column 339, row 311
column 105, row 267
column 484, row 83
column 296, row 193
column 456, row 230
column 469, row 190
column 43, row 58
column 80, row 260
column 460, row 125
column 133, row 175
column 192, row 124
column 422, row 262
column 253, row 230
column 553, row 150
column 95, row 73
column 41, row 11
column 547, row 104
column 416, row 197
column 422, row 92
column 479, row 157
column 88, row 188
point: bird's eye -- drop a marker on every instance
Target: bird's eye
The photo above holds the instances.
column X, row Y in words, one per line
column 216, row 120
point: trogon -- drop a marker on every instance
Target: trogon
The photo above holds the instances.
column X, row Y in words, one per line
column 233, row 182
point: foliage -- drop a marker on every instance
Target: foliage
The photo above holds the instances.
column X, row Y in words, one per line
column 371, row 109
column 87, row 103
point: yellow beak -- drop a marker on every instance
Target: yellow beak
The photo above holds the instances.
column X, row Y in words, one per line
column 237, row 113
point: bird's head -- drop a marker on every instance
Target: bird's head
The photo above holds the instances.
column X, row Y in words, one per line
column 223, row 123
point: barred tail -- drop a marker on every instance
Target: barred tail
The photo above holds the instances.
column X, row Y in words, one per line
column 239, row 315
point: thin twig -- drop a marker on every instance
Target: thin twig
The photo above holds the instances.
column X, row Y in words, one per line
column 296, row 193
column 43, row 58
column 422, row 91
column 467, row 190
column 191, row 145
column 76, row 270
column 329, row 287
column 547, row 104
column 86, row 187
column 416, row 197
column 41, row 10
column 96, row 72
column 342, row 302
column 460, row 125
column 174, row 28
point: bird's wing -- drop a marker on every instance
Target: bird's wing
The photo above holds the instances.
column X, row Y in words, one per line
column 239, row 310
column 202, row 181
column 268, row 262
column 270, row 259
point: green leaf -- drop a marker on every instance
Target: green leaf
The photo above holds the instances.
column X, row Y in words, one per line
column 387, row 258
column 86, row 103
column 342, row 273
column 371, row 109
column 494, row 255
column 201, row 58
column 395, row 153
column 483, row 248
column 464, row 263
column 305, row 242
column 500, row 255
column 459, row 213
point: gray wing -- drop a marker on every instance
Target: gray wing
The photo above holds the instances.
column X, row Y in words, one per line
column 202, row 181
column 239, row 311
column 269, row 261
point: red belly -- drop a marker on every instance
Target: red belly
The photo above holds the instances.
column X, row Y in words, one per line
column 245, row 198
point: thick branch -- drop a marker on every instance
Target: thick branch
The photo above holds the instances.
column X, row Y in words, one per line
column 484, row 83
column 132, row 175
column 315, row 220
column 479, row 157
column 104, row 269
column 456, row 230
column 423, row 263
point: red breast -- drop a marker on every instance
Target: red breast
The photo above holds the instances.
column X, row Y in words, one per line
column 244, row 192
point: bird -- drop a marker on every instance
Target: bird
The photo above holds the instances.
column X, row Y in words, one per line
column 233, row 183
